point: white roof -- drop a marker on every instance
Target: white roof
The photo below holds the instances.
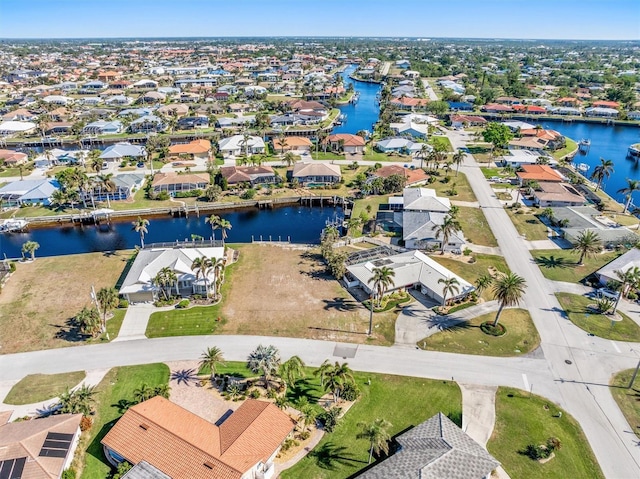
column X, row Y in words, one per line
column 236, row 142
column 623, row 263
column 425, row 199
column 120, row 150
column 16, row 126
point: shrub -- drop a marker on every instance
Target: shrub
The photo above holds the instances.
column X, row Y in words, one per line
column 68, row 474
column 162, row 196
column 288, row 444
column 329, row 419
column 488, row 328
column 303, row 436
column 183, row 304
column 248, row 194
column 466, row 252
column 272, row 393
column 631, row 295
column 254, row 394
column 472, row 259
column 350, row 391
column 123, row 303
column 85, row 423
column 12, row 267
column 123, row 468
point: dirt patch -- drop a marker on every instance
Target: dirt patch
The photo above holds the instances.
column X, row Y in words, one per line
column 42, row 295
column 285, row 291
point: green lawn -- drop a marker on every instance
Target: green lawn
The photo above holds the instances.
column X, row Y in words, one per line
column 373, row 201
column 118, row 384
column 465, row 193
column 600, row 325
column 475, row 227
column 114, row 324
column 562, row 265
column 471, row 272
column 482, row 153
column 523, row 419
column 402, row 401
column 328, row 156
column 443, row 141
column 570, row 147
column 372, row 155
column 467, row 338
column 528, row 225
column 37, row 388
column 628, row 399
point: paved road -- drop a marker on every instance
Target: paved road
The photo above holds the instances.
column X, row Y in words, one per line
column 581, row 383
column 429, row 91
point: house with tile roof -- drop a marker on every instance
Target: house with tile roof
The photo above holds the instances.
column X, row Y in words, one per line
column 296, row 144
column 435, row 449
column 346, row 142
column 538, row 173
column 196, row 149
column 40, row 448
column 173, row 183
column 253, row 175
column 316, row 173
column 183, row 445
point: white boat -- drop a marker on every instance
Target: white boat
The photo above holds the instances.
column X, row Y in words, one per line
column 583, row 167
column 10, row 225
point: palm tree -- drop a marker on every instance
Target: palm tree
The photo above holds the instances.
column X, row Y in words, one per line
column 30, row 247
column 508, row 289
column 140, row 227
column 210, row 358
column 291, row 370
column 587, row 244
column 450, row 286
column 632, row 186
column 548, row 213
column 309, row 415
column 224, row 225
column 88, row 322
column 458, row 158
column 377, row 433
column 334, row 377
column 218, row 273
column 602, row 171
column 108, row 300
column 264, row 360
column 628, row 279
column 202, row 266
column 106, row 182
column 213, row 220
column 448, row 227
column 95, row 162
column 165, row 278
column 289, row 158
column 424, row 152
column 382, row 278
column 482, row 283
column 79, row 401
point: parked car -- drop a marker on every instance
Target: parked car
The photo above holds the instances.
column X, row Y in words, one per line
column 608, row 293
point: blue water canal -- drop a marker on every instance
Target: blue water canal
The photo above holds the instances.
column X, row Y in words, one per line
column 608, row 142
column 300, row 224
column 364, row 113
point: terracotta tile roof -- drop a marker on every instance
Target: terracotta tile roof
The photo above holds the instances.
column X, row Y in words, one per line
column 349, row 139
column 606, row 104
column 195, row 147
column 291, row 142
column 240, row 174
column 541, row 133
column 176, row 179
column 413, row 176
column 539, row 173
column 407, row 101
column 530, row 108
column 496, row 107
column 185, row 446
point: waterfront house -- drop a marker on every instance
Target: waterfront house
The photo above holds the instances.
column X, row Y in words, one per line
column 237, row 145
column 316, row 173
column 122, row 150
column 538, row 173
column 531, row 143
column 296, row 144
column 547, row 194
column 174, row 182
column 147, row 124
column 602, row 112
column 629, row 260
column 192, row 122
column 496, row 108
column 12, row 158
column 437, row 448
column 40, row 448
column 346, row 142
column 555, row 140
column 102, row 127
column 175, row 109
column 413, row 270
column 575, row 220
column 11, row 128
column 463, row 121
column 410, row 104
column 139, row 285
column 252, row 175
column 182, row 445
column 196, row 149
column 28, row 192
column 124, row 188
column 413, row 176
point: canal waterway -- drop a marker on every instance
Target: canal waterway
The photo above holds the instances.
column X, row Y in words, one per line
column 300, row 224
column 365, row 112
column 608, row 142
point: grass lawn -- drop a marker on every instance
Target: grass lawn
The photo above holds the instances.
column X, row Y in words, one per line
column 475, row 227
column 114, row 323
column 41, row 296
column 528, row 225
column 562, row 265
column 482, row 153
column 465, row 193
column 570, row 147
column 467, row 338
column 373, row 201
column 402, row 401
column 443, row 141
column 371, row 155
column 118, row 384
column 472, row 271
column 628, row 399
column 600, row 325
column 42, row 387
column 523, row 419
column 328, row 156
column 489, row 172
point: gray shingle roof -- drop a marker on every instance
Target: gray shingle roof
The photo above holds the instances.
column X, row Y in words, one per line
column 435, row 449
column 144, row 470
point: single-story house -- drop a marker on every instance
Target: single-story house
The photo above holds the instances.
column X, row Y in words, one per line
column 462, row 121
column 602, row 112
column 121, row 150
column 419, row 231
column 400, row 145
column 182, row 445
column 530, row 143
column 147, row 124
column 418, row 130
column 9, row 128
column 296, row 144
column 152, row 97
column 496, row 108
column 175, row 109
column 414, row 176
column 192, row 122
column 556, row 194
column 420, row 199
column 578, row 219
column 538, row 173
column 437, row 448
column 125, row 186
column 410, row 104
column 236, row 145
column 139, row 285
column 39, row 449
column 196, row 149
column 28, row 192
column 555, row 140
column 346, row 142
column 316, row 173
column 517, row 158
column 629, row 260
column 413, row 270
column 248, row 174
column 102, row 127
column 174, row 182
column 10, row 157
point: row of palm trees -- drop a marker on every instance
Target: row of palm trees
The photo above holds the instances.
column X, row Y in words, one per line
column 140, row 226
column 604, row 170
column 166, row 278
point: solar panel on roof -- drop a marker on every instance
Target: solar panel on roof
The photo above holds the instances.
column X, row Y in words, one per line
column 56, row 444
column 18, row 467
column 58, row 436
column 12, row 468
column 53, row 453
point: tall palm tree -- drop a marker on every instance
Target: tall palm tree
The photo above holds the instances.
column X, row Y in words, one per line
column 482, row 283
column 309, row 415
column 458, row 158
column 382, row 278
column 140, row 227
column 629, row 280
column 508, row 289
column 210, row 359
column 88, row 322
column 108, row 300
column 377, row 433
column 424, row 152
column 264, row 360
column 213, row 221
column 289, row 158
column 449, row 226
column 107, row 184
column 218, row 273
column 587, row 244
column 30, row 247
column 449, row 286
column 333, row 378
column 202, row 267
column 291, row 370
column 602, row 171
column 632, row 186
column 95, row 162
column 164, row 279
column 224, row 225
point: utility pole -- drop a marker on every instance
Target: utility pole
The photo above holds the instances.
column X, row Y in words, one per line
column 371, row 315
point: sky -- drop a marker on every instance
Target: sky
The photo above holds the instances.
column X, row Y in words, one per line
column 526, row 19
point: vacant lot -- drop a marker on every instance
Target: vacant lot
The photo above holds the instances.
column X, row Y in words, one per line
column 41, row 387
column 459, row 183
column 475, row 227
column 279, row 291
column 562, row 265
column 40, row 297
column 528, row 225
